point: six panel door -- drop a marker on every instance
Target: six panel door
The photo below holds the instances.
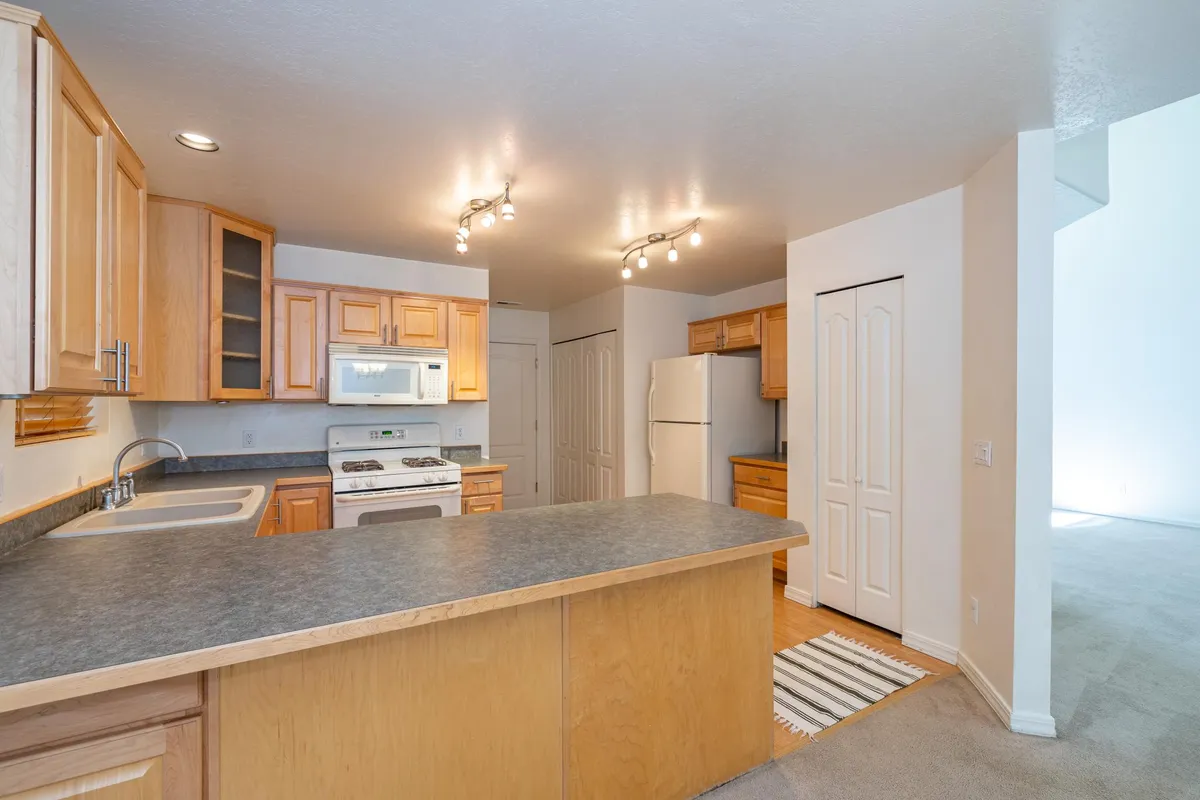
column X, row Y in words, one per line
column 417, row 322
column 71, row 242
column 360, row 318
column 300, row 362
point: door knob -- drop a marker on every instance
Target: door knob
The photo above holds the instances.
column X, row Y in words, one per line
column 858, row 479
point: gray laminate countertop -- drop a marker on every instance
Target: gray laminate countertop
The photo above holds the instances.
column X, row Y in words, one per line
column 75, row 605
column 475, row 464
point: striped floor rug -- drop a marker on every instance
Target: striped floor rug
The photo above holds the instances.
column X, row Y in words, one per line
column 824, row 680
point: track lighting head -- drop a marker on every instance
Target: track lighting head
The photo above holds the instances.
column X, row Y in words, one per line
column 485, row 212
column 639, row 246
column 695, row 238
column 626, row 273
column 507, row 212
column 672, row 254
column 643, row 262
column 464, row 232
column 488, row 219
column 461, row 247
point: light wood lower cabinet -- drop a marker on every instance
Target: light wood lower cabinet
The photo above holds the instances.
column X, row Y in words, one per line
column 300, row 361
column 298, row 509
column 482, row 492
column 162, row 762
column 763, row 489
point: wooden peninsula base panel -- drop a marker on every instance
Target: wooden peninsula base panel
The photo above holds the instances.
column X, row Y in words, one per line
column 656, row 688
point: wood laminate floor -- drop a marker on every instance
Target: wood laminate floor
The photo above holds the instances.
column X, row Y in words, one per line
column 795, row 623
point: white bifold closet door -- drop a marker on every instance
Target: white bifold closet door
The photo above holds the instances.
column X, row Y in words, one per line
column 859, row 385
column 584, row 410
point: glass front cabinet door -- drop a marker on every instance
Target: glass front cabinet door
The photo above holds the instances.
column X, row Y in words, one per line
column 240, row 365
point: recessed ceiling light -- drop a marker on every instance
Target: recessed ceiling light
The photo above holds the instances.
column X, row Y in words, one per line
column 196, row 141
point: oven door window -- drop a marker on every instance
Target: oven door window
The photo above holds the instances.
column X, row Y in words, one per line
column 365, row 376
column 399, row 515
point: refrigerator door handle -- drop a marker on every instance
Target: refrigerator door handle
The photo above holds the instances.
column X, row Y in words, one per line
column 650, row 440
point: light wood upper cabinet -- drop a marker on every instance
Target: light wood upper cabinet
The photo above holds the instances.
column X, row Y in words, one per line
column 419, row 322
column 162, row 762
column 127, row 297
column 239, row 309
column 774, row 352
column 360, row 317
column 71, row 232
column 704, row 337
column 301, row 319
column 742, row 331
column 468, row 351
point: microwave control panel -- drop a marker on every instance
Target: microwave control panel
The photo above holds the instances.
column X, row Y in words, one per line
column 435, row 382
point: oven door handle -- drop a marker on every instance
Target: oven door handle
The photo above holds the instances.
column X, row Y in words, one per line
column 375, row 497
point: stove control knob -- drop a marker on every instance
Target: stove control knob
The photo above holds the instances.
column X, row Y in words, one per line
column 428, row 477
column 371, row 483
column 354, row 483
column 441, row 477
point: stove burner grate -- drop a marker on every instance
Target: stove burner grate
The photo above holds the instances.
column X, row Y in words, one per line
column 424, row 461
column 369, row 465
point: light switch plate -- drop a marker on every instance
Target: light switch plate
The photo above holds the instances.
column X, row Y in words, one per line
column 983, row 454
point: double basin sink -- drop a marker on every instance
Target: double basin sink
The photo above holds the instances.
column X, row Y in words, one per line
column 176, row 509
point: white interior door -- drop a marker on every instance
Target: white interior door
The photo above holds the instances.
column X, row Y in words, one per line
column 600, row 451
column 880, row 380
column 512, row 413
column 679, row 459
column 836, row 400
column 567, row 421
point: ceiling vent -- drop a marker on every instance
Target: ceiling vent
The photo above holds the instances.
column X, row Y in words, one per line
column 509, row 303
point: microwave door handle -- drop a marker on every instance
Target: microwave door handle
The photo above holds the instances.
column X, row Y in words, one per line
column 421, row 382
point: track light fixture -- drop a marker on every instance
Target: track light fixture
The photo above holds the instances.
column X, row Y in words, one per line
column 485, row 210
column 639, row 246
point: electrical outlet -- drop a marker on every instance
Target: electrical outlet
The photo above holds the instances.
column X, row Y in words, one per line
column 459, row 433
column 249, row 439
column 975, row 610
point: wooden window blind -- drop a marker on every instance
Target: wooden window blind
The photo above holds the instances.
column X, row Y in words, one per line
column 49, row 417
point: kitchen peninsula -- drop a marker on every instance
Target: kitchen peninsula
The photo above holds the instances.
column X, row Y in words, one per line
column 610, row 649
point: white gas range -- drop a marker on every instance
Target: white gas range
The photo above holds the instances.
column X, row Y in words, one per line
column 391, row 473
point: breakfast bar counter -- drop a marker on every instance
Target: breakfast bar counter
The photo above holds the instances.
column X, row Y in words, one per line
column 615, row 648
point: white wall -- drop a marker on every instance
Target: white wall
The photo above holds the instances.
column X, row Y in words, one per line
column 211, row 429
column 35, row 472
column 655, row 326
column 760, row 294
column 531, row 327
column 1126, row 429
column 922, row 241
column 1007, row 400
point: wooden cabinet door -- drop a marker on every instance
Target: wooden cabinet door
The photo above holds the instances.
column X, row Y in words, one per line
column 305, row 508
column 269, row 524
column 300, row 361
column 483, row 504
column 771, row 502
column 418, row 322
column 774, row 353
column 468, row 351
column 128, row 295
column 71, row 233
column 240, row 310
column 741, row 331
column 704, row 337
column 163, row 762
column 360, row 318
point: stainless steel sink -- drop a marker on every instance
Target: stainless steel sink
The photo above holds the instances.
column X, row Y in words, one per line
column 177, row 509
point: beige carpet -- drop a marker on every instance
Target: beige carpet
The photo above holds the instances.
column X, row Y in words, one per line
column 1126, row 696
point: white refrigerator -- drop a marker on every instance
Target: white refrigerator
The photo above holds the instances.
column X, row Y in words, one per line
column 704, row 409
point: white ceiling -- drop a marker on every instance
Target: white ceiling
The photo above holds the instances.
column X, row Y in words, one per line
column 366, row 125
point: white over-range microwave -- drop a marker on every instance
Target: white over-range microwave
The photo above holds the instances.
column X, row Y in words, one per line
column 364, row 375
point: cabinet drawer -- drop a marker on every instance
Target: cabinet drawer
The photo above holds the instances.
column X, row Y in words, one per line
column 483, row 504
column 760, row 476
column 482, row 483
column 771, row 502
column 79, row 716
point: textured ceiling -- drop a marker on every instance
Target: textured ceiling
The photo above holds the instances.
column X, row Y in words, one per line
column 365, row 125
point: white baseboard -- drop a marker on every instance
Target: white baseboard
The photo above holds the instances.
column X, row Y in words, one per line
column 799, row 596
column 1134, row 517
column 1031, row 724
column 930, row 647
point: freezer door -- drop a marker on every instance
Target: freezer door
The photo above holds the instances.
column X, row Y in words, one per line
column 679, row 389
column 679, row 459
